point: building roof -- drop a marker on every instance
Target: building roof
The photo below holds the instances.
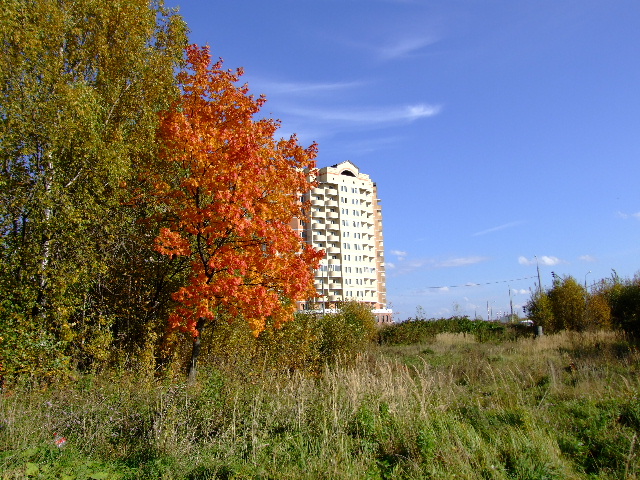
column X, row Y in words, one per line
column 347, row 166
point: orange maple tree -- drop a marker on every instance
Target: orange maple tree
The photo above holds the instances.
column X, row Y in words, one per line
column 232, row 194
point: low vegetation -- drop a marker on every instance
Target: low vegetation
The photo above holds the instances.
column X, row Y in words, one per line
column 563, row 406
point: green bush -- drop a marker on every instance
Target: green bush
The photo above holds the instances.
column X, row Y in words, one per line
column 425, row 331
column 348, row 333
column 623, row 297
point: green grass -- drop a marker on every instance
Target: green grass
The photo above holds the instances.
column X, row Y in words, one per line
column 558, row 407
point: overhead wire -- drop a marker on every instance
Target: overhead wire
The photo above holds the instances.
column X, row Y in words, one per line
column 480, row 284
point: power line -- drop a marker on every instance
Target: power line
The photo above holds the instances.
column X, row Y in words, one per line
column 480, row 284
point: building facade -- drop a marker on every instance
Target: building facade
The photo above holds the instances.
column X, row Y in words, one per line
column 346, row 222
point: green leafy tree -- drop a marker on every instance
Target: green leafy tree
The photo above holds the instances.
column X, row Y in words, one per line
column 623, row 297
column 598, row 311
column 568, row 303
column 539, row 310
column 81, row 84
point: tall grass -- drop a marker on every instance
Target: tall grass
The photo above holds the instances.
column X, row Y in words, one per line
column 558, row 407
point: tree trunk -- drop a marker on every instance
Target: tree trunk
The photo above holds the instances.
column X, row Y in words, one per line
column 195, row 353
column 41, row 299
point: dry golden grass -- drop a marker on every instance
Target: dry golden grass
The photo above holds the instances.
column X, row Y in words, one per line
column 556, row 407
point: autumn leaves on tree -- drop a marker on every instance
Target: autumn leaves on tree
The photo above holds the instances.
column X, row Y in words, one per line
column 134, row 200
column 231, row 201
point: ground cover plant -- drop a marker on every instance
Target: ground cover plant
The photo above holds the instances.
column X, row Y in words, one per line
column 564, row 406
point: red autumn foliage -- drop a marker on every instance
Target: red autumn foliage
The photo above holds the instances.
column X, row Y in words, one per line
column 231, row 194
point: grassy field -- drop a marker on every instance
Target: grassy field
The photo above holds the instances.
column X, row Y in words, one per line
column 558, row 407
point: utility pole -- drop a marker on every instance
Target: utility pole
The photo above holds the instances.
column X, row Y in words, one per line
column 539, row 281
column 511, row 303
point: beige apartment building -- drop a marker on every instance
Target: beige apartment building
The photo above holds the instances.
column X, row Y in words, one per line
column 346, row 222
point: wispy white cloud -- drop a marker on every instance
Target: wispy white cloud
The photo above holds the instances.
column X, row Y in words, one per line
column 543, row 260
column 498, row 228
column 405, row 47
column 520, row 291
column 371, row 144
column 399, row 253
column 625, row 216
column 365, row 116
column 460, row 261
column 270, row 87
column 587, row 258
column 407, row 265
column 316, row 123
column 390, row 265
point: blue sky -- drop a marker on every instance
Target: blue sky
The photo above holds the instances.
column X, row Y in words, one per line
column 498, row 132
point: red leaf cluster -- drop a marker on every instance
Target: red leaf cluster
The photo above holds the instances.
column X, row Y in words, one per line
column 232, row 194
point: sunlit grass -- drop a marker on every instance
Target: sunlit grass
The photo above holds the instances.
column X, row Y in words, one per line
column 563, row 406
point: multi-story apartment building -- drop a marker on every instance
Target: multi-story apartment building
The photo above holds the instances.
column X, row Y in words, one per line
column 346, row 222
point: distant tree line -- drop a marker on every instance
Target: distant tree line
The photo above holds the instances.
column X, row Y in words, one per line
column 422, row 330
column 611, row 303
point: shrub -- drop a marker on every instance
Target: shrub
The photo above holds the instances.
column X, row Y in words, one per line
column 623, row 297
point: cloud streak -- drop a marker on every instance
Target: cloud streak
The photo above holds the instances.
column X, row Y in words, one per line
column 302, row 88
column 543, row 260
column 366, row 116
column 628, row 215
column 498, row 228
column 405, row 47
column 405, row 266
column 460, row 262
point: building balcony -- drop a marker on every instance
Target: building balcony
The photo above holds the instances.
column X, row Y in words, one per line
column 333, row 250
column 317, row 203
column 331, row 192
column 331, row 203
column 333, row 238
column 333, row 215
